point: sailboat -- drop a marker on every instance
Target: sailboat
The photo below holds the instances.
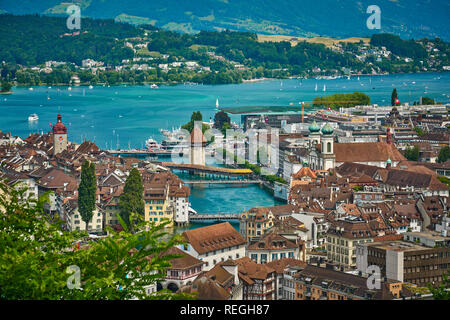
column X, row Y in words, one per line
column 217, row 104
column 315, row 89
column 324, row 88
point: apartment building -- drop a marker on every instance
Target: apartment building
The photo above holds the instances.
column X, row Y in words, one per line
column 342, row 238
column 272, row 247
column 166, row 197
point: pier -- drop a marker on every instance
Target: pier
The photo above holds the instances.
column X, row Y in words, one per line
column 139, row 152
column 197, row 169
column 203, row 217
column 238, row 182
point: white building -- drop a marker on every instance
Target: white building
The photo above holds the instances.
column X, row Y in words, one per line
column 214, row 244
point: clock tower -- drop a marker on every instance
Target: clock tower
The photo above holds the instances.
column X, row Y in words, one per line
column 59, row 136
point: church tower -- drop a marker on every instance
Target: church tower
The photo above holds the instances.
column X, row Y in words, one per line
column 198, row 146
column 314, row 133
column 59, row 136
column 327, row 147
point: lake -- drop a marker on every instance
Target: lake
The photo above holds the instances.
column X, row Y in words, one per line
column 128, row 115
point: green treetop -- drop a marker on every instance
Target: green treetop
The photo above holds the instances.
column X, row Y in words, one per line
column 444, row 154
column 393, row 97
column 87, row 192
column 40, row 261
column 131, row 200
column 6, row 86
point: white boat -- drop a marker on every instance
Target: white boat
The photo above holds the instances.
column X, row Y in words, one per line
column 315, row 89
column 31, row 89
column 33, row 117
column 217, row 104
column 70, row 88
column 151, row 144
column 154, row 86
column 324, row 88
column 91, row 87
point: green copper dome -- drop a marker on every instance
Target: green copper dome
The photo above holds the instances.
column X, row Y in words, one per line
column 314, row 127
column 327, row 129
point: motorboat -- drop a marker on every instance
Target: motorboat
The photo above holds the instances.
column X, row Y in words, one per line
column 151, row 144
column 33, row 117
column 154, row 86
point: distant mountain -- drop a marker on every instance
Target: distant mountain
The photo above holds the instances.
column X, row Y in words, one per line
column 334, row 18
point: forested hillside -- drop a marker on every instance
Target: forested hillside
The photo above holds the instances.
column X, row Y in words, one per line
column 31, row 40
column 335, row 18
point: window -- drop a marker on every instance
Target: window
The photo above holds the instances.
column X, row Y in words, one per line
column 254, row 257
column 274, row 256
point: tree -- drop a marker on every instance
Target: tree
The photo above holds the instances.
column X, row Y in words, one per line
column 196, row 116
column 131, row 200
column 394, row 97
column 226, row 126
column 412, row 154
column 428, row 101
column 444, row 154
column 419, row 131
column 6, row 86
column 35, row 254
column 220, row 118
column 87, row 192
column 443, row 291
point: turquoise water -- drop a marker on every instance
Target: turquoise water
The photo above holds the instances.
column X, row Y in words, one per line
column 128, row 115
column 125, row 115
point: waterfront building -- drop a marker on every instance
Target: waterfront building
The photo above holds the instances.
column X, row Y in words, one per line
column 59, row 136
column 255, row 222
column 404, row 261
column 166, row 197
column 156, row 198
column 215, row 243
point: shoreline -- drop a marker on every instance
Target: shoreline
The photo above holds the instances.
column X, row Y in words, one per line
column 218, row 84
